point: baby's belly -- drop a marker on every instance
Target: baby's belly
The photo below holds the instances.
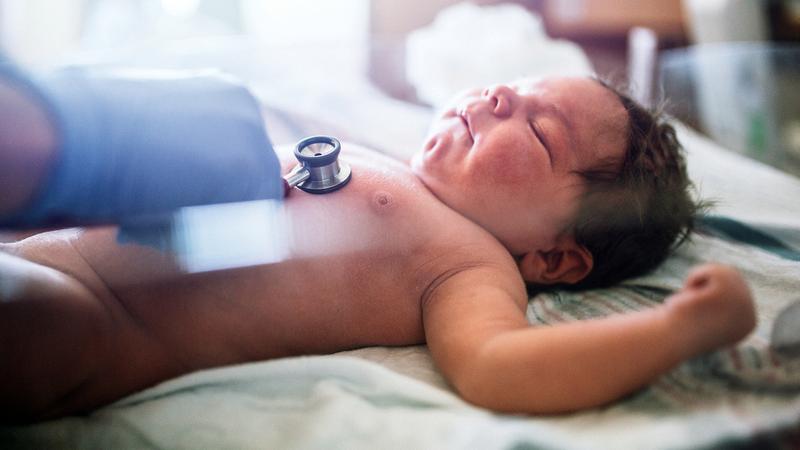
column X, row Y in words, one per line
column 334, row 292
column 301, row 306
column 333, row 303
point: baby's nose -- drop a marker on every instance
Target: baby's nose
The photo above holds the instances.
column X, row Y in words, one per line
column 501, row 98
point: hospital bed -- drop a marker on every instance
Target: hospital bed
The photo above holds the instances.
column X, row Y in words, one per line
column 747, row 396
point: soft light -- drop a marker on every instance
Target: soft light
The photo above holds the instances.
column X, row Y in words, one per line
column 180, row 8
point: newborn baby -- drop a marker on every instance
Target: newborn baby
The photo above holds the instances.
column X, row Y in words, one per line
column 555, row 182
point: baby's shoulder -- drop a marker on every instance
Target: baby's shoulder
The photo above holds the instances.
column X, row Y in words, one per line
column 466, row 251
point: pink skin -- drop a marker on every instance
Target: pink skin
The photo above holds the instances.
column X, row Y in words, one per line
column 714, row 308
column 505, row 156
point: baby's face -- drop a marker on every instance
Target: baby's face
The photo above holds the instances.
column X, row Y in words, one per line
column 506, row 157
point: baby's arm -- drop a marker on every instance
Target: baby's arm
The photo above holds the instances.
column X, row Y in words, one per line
column 479, row 337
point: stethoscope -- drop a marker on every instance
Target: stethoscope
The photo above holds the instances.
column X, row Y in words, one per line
column 319, row 170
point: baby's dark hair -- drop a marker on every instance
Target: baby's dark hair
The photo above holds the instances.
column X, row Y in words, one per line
column 634, row 214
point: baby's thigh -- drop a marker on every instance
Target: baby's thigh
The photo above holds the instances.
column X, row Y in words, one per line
column 53, row 332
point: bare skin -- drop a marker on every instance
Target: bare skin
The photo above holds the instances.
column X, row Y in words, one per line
column 84, row 321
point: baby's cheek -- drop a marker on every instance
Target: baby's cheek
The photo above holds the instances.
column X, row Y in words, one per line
column 509, row 160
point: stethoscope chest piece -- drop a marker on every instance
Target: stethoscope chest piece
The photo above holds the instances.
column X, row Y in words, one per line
column 319, row 170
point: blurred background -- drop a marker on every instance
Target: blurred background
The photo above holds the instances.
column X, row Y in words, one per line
column 730, row 69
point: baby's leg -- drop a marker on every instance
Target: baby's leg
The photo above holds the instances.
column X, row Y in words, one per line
column 52, row 333
column 66, row 345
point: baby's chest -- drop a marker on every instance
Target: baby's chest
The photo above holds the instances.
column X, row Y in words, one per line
column 383, row 209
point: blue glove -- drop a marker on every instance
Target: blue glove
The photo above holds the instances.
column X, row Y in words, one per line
column 136, row 144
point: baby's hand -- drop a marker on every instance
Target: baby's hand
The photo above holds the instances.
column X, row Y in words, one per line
column 714, row 308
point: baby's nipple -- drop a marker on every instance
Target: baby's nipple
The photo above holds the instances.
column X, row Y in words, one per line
column 382, row 202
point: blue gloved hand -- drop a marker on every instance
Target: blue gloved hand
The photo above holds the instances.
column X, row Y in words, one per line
column 140, row 143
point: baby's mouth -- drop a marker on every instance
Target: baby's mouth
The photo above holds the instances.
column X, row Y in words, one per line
column 465, row 120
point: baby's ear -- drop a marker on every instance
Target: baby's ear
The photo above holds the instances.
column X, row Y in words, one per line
column 567, row 262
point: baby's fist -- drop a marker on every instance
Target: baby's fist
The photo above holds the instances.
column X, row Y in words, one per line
column 714, row 307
